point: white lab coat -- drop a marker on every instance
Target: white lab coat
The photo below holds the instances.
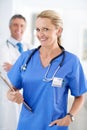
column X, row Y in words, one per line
column 9, row 112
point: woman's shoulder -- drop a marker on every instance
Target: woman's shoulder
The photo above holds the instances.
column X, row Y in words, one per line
column 27, row 52
column 71, row 56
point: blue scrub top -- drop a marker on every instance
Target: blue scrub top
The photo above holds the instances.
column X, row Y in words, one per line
column 48, row 102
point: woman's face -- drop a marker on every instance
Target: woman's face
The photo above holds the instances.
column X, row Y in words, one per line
column 46, row 32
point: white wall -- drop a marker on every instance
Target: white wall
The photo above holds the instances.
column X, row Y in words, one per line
column 6, row 9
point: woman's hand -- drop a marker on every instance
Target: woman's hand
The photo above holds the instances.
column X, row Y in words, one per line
column 62, row 122
column 15, row 96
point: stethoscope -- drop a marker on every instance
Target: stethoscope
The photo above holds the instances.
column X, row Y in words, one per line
column 8, row 42
column 24, row 67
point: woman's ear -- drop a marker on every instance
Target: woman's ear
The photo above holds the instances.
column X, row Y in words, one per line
column 59, row 31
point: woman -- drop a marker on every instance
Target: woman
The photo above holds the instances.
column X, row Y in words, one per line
column 46, row 78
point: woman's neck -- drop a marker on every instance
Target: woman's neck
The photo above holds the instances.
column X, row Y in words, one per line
column 48, row 53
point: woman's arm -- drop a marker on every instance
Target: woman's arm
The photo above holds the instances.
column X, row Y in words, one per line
column 75, row 108
column 77, row 104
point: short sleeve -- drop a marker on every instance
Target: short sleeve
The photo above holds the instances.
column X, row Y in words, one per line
column 78, row 83
column 14, row 74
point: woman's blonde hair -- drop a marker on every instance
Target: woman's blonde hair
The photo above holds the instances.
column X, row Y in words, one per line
column 55, row 19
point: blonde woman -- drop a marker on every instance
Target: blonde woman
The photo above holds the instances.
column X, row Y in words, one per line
column 46, row 74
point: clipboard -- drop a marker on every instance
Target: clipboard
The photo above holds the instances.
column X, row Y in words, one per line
column 12, row 89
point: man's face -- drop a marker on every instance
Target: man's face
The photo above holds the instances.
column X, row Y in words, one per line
column 17, row 28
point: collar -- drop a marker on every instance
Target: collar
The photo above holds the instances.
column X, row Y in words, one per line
column 13, row 41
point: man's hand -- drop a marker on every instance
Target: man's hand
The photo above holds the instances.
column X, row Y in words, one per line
column 7, row 66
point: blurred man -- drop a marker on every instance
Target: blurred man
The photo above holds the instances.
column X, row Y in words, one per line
column 9, row 52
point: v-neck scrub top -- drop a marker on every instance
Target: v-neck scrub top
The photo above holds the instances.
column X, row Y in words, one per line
column 47, row 102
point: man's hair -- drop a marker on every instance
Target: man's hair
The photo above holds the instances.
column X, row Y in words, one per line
column 17, row 16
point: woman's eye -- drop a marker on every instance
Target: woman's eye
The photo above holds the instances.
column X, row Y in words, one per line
column 46, row 29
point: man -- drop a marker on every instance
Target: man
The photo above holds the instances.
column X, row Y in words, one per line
column 9, row 52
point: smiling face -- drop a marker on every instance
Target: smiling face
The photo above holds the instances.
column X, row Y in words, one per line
column 17, row 28
column 46, row 32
